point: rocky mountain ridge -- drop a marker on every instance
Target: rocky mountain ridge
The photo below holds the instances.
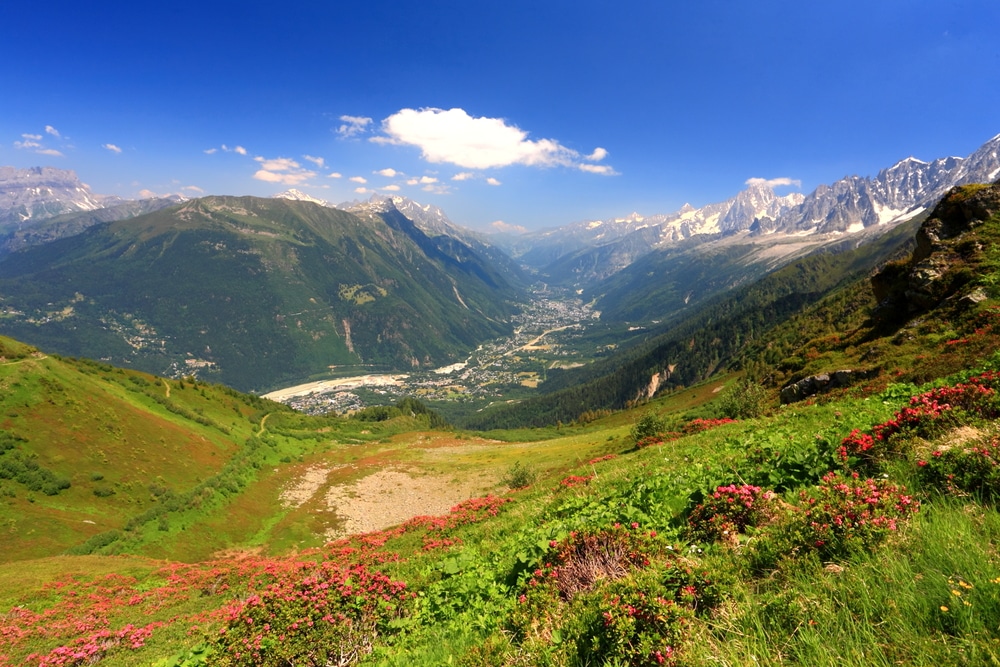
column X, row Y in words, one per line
column 848, row 206
column 38, row 193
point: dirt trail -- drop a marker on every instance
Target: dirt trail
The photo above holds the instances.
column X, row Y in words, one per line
column 390, row 497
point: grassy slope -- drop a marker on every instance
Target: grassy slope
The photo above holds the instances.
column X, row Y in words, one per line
column 927, row 593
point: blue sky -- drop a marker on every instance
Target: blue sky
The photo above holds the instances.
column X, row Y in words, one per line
column 535, row 113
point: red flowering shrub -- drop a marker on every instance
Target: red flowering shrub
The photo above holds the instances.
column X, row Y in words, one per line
column 92, row 648
column 607, row 457
column 332, row 616
column 698, row 425
column 575, row 480
column 648, row 441
column 845, row 514
column 961, row 470
column 612, row 596
column 729, row 511
column 928, row 414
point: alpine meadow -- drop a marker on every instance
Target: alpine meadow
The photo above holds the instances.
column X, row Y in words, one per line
column 560, row 334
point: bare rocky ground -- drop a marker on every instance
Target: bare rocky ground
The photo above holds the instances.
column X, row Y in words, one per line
column 379, row 491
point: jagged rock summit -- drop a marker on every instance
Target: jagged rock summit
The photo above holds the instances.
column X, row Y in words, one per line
column 39, row 193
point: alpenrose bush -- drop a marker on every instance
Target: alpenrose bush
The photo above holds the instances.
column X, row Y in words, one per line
column 927, row 415
column 330, row 617
column 962, row 470
column 615, row 595
column 845, row 514
column 729, row 511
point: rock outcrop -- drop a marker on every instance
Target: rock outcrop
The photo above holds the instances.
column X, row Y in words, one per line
column 944, row 263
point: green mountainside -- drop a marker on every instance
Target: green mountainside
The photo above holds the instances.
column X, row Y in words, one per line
column 254, row 293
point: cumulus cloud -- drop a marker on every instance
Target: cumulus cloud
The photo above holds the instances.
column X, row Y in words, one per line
column 361, row 191
column 111, row 147
column 33, row 142
column 601, row 169
column 30, row 141
column 492, row 181
column 282, row 170
column 453, row 136
column 391, row 188
column 774, row 182
column 318, row 161
column 358, row 179
column 210, row 151
column 501, row 226
column 335, row 174
column 352, row 126
column 463, row 176
column 598, row 154
column 147, row 194
column 388, row 172
column 240, row 150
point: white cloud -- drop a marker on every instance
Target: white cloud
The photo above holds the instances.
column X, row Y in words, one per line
column 282, row 170
column 32, row 137
column 49, row 151
column 391, row 188
column 453, row 136
column 51, row 130
column 358, row 179
column 335, row 174
column 193, row 188
column 493, row 181
column 147, row 194
column 501, row 226
column 318, row 161
column 598, row 155
column 602, row 169
column 774, row 182
column 361, row 191
column 353, row 125
column 33, row 142
column 463, row 176
column 388, row 172
column 235, row 149
column 112, row 148
column 426, row 180
column 278, row 164
column 413, row 181
column 438, row 189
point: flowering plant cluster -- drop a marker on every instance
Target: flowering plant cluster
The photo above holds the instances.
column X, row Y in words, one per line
column 333, row 615
column 606, row 457
column 926, row 414
column 649, row 441
column 849, row 513
column 575, row 480
column 617, row 595
column 729, row 510
column 974, row 469
column 92, row 648
column 698, row 425
column 640, row 628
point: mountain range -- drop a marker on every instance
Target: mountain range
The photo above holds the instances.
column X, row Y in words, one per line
column 255, row 292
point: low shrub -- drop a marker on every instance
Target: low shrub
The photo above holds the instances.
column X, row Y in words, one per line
column 729, row 511
column 965, row 470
